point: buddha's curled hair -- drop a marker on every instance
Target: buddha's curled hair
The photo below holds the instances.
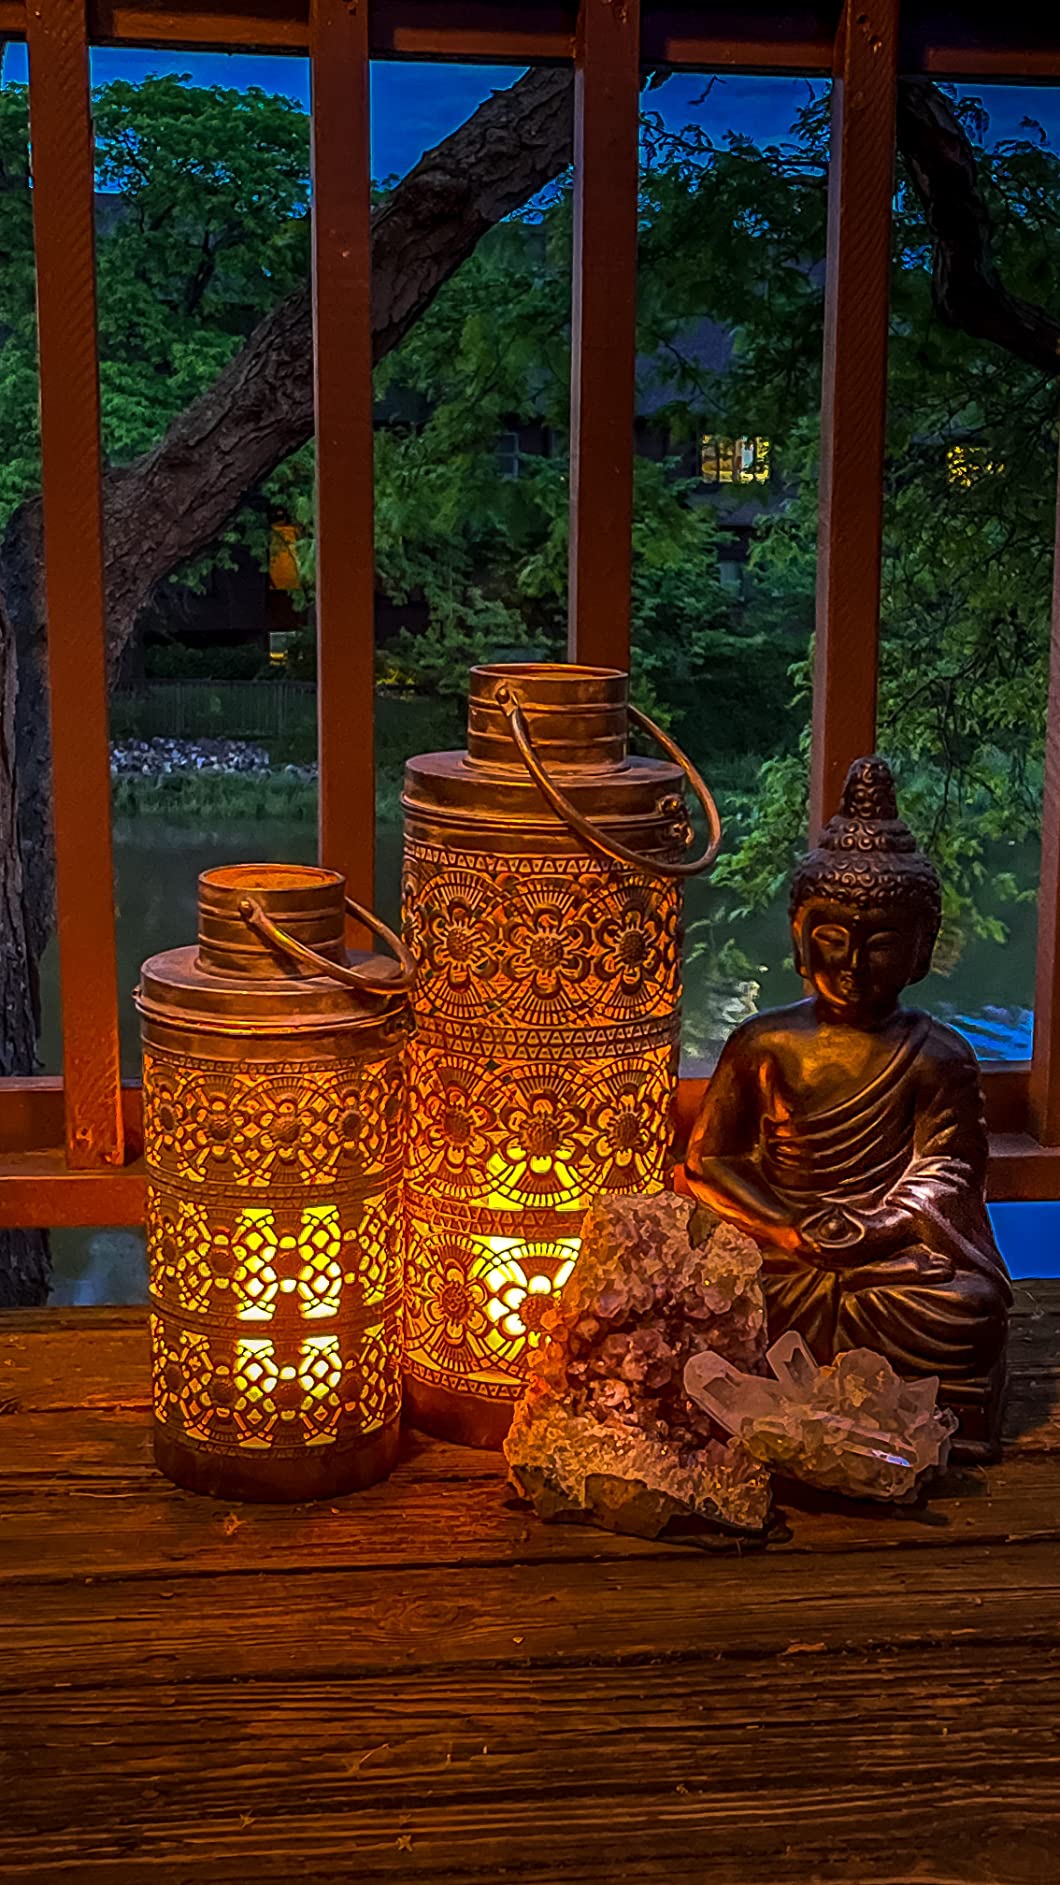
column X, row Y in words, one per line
column 867, row 858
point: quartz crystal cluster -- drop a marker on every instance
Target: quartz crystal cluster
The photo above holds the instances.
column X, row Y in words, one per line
column 853, row 1427
column 605, row 1430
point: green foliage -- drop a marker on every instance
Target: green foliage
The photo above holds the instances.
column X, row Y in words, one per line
column 206, row 227
column 202, row 225
column 174, row 661
column 967, row 545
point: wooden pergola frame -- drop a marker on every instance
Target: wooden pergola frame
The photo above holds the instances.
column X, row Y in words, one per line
column 70, row 1148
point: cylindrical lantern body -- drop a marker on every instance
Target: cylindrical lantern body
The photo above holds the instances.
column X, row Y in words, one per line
column 547, row 1007
column 274, row 1138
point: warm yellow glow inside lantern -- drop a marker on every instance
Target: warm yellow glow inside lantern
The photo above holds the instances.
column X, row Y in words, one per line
column 274, row 1126
column 547, row 1004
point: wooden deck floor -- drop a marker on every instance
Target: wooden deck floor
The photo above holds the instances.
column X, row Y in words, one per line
column 424, row 1682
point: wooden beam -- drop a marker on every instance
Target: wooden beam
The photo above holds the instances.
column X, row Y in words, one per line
column 1005, row 1085
column 854, row 397
column 342, row 345
column 603, row 329
column 32, row 1113
column 1045, row 1058
column 765, row 37
column 1022, row 1171
column 38, row 1190
column 63, row 219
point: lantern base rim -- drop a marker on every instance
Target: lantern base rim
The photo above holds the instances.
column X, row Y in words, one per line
column 466, row 1418
column 324, row 1473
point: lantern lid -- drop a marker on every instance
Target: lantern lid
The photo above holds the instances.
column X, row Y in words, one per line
column 271, row 957
column 639, row 791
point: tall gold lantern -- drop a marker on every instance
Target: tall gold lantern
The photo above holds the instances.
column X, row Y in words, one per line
column 542, row 906
column 274, row 1135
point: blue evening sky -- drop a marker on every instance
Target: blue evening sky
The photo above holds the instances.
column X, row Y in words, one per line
column 415, row 106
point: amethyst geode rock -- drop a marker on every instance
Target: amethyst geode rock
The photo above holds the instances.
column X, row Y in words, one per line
column 605, row 1431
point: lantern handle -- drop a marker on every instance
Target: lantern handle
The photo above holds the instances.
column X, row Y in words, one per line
column 253, row 915
column 596, row 840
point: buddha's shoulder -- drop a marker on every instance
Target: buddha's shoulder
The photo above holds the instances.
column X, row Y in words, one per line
column 942, row 1047
column 768, row 1031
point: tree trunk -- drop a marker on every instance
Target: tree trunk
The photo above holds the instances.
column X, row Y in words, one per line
column 23, row 1253
column 173, row 502
column 967, row 291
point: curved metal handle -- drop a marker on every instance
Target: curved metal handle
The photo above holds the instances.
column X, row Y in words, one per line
column 597, row 840
column 254, row 916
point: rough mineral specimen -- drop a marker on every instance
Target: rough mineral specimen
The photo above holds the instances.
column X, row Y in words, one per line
column 854, row 1427
column 605, row 1430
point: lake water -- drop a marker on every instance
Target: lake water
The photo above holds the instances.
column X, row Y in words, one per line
column 988, row 994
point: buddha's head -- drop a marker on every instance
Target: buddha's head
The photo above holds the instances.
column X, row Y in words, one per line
column 866, row 904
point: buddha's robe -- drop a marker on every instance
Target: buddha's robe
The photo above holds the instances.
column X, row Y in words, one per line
column 912, row 1137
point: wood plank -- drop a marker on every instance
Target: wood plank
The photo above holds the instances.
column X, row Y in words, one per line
column 603, row 330
column 1044, row 1095
column 122, row 1521
column 686, row 1770
column 39, row 1190
column 1005, row 1086
column 853, row 397
column 764, row 37
column 37, row 1184
column 324, row 1624
column 60, row 1358
column 1021, row 1169
column 342, row 351
column 63, row 222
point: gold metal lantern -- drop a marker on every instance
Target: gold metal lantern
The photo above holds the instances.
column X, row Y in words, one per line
column 542, row 907
column 274, row 1137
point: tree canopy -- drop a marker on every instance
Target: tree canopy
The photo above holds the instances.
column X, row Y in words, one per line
column 203, row 229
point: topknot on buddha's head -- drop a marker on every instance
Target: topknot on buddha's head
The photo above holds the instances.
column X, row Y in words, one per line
column 867, row 859
column 869, row 796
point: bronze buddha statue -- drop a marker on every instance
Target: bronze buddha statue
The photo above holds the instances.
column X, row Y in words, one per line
column 846, row 1133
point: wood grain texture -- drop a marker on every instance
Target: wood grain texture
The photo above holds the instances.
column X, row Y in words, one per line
column 71, row 483
column 424, row 1681
column 37, row 1187
column 603, row 330
column 461, row 1775
column 1045, row 1061
column 853, row 397
column 345, row 526
column 761, row 35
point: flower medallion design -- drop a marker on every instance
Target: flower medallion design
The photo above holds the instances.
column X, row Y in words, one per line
column 275, row 1243
column 541, row 1073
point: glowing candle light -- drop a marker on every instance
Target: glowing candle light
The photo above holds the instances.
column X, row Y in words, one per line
column 542, row 906
column 274, row 1129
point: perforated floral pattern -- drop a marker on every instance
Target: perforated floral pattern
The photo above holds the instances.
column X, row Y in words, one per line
column 541, row 1073
column 275, row 1245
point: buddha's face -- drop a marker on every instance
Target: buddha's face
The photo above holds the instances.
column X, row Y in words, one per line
column 858, row 961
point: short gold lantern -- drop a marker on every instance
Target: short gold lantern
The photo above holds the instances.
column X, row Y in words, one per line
column 542, row 906
column 274, row 1135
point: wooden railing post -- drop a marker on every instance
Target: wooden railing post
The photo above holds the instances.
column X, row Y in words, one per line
column 64, row 235
column 1044, row 1093
column 342, row 344
column 854, row 396
column 603, row 329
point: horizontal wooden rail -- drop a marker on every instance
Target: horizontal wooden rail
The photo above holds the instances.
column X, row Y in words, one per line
column 993, row 43
column 38, row 1190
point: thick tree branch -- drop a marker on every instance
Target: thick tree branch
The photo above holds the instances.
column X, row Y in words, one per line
column 968, row 292
column 172, row 503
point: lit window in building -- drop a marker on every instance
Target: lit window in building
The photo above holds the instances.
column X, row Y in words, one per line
column 966, row 464
column 733, row 461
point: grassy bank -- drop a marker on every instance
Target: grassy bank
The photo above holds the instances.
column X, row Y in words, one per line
column 192, row 797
